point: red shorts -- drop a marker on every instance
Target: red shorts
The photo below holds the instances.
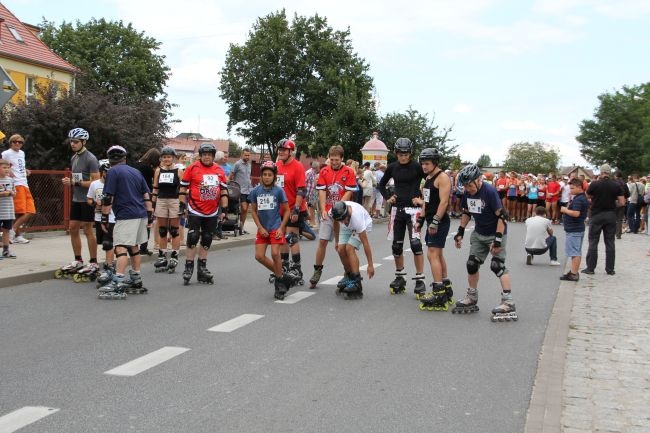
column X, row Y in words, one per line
column 270, row 240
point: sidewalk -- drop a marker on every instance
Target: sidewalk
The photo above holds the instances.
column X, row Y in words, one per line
column 594, row 368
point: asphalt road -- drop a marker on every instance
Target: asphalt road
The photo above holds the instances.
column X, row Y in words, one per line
column 321, row 364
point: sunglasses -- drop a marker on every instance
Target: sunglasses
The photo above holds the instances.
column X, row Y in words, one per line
column 18, row 141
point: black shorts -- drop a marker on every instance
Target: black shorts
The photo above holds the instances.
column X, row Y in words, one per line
column 82, row 211
column 243, row 198
column 202, row 224
column 502, row 194
column 512, row 198
column 6, row 224
column 541, row 203
column 101, row 236
column 439, row 239
column 522, row 199
column 301, row 217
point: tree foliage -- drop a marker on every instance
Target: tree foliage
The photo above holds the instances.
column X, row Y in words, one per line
column 484, row 160
column 619, row 133
column 532, row 157
column 301, row 78
column 420, row 130
column 48, row 117
column 112, row 57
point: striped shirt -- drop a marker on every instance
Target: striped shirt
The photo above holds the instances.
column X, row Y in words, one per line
column 7, row 203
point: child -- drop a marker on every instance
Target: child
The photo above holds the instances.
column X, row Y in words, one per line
column 94, row 199
column 355, row 225
column 7, row 216
column 575, row 215
column 269, row 202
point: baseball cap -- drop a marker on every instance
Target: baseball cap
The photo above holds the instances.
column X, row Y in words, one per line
column 605, row 169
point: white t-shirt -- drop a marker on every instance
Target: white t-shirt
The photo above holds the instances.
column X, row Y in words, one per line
column 360, row 221
column 96, row 192
column 17, row 160
column 566, row 195
column 536, row 232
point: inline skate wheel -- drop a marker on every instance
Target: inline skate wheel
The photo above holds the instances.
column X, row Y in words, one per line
column 58, row 274
column 301, row 282
column 77, row 278
column 422, row 307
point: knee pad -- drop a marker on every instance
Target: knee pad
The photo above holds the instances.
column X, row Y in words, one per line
column 118, row 255
column 123, row 249
column 416, row 247
column 473, row 263
column 398, row 248
column 107, row 244
column 134, row 251
column 498, row 266
column 192, row 238
column 206, row 240
column 174, row 232
column 292, row 239
column 162, row 231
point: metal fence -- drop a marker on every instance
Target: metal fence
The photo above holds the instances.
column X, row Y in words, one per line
column 52, row 200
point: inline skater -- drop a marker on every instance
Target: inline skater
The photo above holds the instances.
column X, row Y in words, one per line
column 202, row 187
column 489, row 236
column 407, row 175
column 95, row 199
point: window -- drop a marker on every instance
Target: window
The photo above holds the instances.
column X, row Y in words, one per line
column 15, row 34
column 29, row 88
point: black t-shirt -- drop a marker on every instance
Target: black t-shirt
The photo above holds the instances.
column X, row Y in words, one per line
column 147, row 172
column 432, row 198
column 604, row 194
column 407, row 179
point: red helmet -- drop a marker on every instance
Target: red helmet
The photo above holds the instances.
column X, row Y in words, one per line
column 269, row 165
column 285, row 143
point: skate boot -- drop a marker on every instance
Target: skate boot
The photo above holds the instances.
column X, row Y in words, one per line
column 87, row 273
column 69, row 270
column 318, row 272
column 468, row 304
column 187, row 273
column 436, row 300
column 133, row 284
column 342, row 283
column 420, row 286
column 505, row 311
column 296, row 271
column 450, row 291
column 353, row 290
column 173, row 262
column 161, row 263
column 112, row 290
column 106, row 275
column 281, row 288
column 398, row 285
column 203, row 275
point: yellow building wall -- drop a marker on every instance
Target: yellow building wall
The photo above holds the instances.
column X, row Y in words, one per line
column 19, row 72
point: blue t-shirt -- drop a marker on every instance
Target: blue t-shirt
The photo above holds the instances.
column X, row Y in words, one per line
column 576, row 224
column 483, row 206
column 268, row 201
column 127, row 186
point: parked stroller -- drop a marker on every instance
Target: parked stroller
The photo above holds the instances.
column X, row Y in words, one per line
column 231, row 223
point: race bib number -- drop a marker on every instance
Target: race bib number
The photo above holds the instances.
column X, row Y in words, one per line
column 210, row 179
column 475, row 205
column 426, row 193
column 502, row 186
column 169, row 178
column 265, row 202
column 77, row 177
column 279, row 181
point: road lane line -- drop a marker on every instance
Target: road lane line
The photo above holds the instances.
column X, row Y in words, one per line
column 146, row 362
column 295, row 297
column 365, row 267
column 388, row 258
column 24, row 416
column 236, row 323
column 332, row 281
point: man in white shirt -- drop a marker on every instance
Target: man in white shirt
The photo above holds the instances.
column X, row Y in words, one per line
column 23, row 201
column 539, row 237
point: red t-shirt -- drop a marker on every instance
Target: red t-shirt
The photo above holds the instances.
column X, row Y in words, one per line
column 502, row 185
column 541, row 191
column 335, row 183
column 204, row 185
column 553, row 187
column 291, row 177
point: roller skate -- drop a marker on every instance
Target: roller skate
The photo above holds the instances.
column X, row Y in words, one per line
column 343, row 283
column 506, row 311
column 318, row 272
column 203, row 275
column 436, row 300
column 420, row 286
column 450, row 291
column 187, row 273
column 398, row 285
column 173, row 262
column 90, row 272
column 69, row 270
column 161, row 263
column 468, row 304
column 106, row 276
column 353, row 289
column 112, row 290
column 281, row 287
column 133, row 284
column 296, row 271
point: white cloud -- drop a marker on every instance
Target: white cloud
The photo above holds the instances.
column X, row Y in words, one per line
column 462, row 108
column 520, row 125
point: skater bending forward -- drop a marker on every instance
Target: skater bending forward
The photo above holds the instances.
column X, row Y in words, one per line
column 355, row 224
column 482, row 202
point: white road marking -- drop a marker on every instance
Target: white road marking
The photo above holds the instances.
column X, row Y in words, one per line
column 24, row 416
column 365, row 267
column 146, row 362
column 295, row 297
column 388, row 258
column 236, row 323
column 332, row 281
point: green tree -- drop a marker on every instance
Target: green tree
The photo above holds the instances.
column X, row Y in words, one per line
column 484, row 160
column 619, row 133
column 420, row 130
column 112, row 57
column 301, row 79
column 532, row 157
column 233, row 149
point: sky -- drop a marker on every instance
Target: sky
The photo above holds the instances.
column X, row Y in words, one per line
column 497, row 72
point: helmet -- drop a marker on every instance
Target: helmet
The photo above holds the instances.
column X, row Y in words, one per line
column 116, row 153
column 269, row 165
column 430, row 154
column 168, row 150
column 285, row 143
column 207, row 148
column 104, row 165
column 339, row 211
column 403, row 145
column 468, row 173
column 78, row 134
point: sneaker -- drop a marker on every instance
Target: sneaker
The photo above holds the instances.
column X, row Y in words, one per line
column 8, row 255
column 611, row 272
column 587, row 271
column 20, row 239
column 529, row 259
column 570, row 277
column 554, row 263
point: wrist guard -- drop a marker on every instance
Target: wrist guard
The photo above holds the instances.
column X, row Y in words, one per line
column 104, row 219
column 498, row 238
column 460, row 233
column 149, row 217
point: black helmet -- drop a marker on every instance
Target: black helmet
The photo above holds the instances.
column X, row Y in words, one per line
column 104, row 165
column 430, row 154
column 168, row 150
column 339, row 211
column 468, row 173
column 207, row 148
column 403, row 145
column 116, row 153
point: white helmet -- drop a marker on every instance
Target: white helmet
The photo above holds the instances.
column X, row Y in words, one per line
column 79, row 134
